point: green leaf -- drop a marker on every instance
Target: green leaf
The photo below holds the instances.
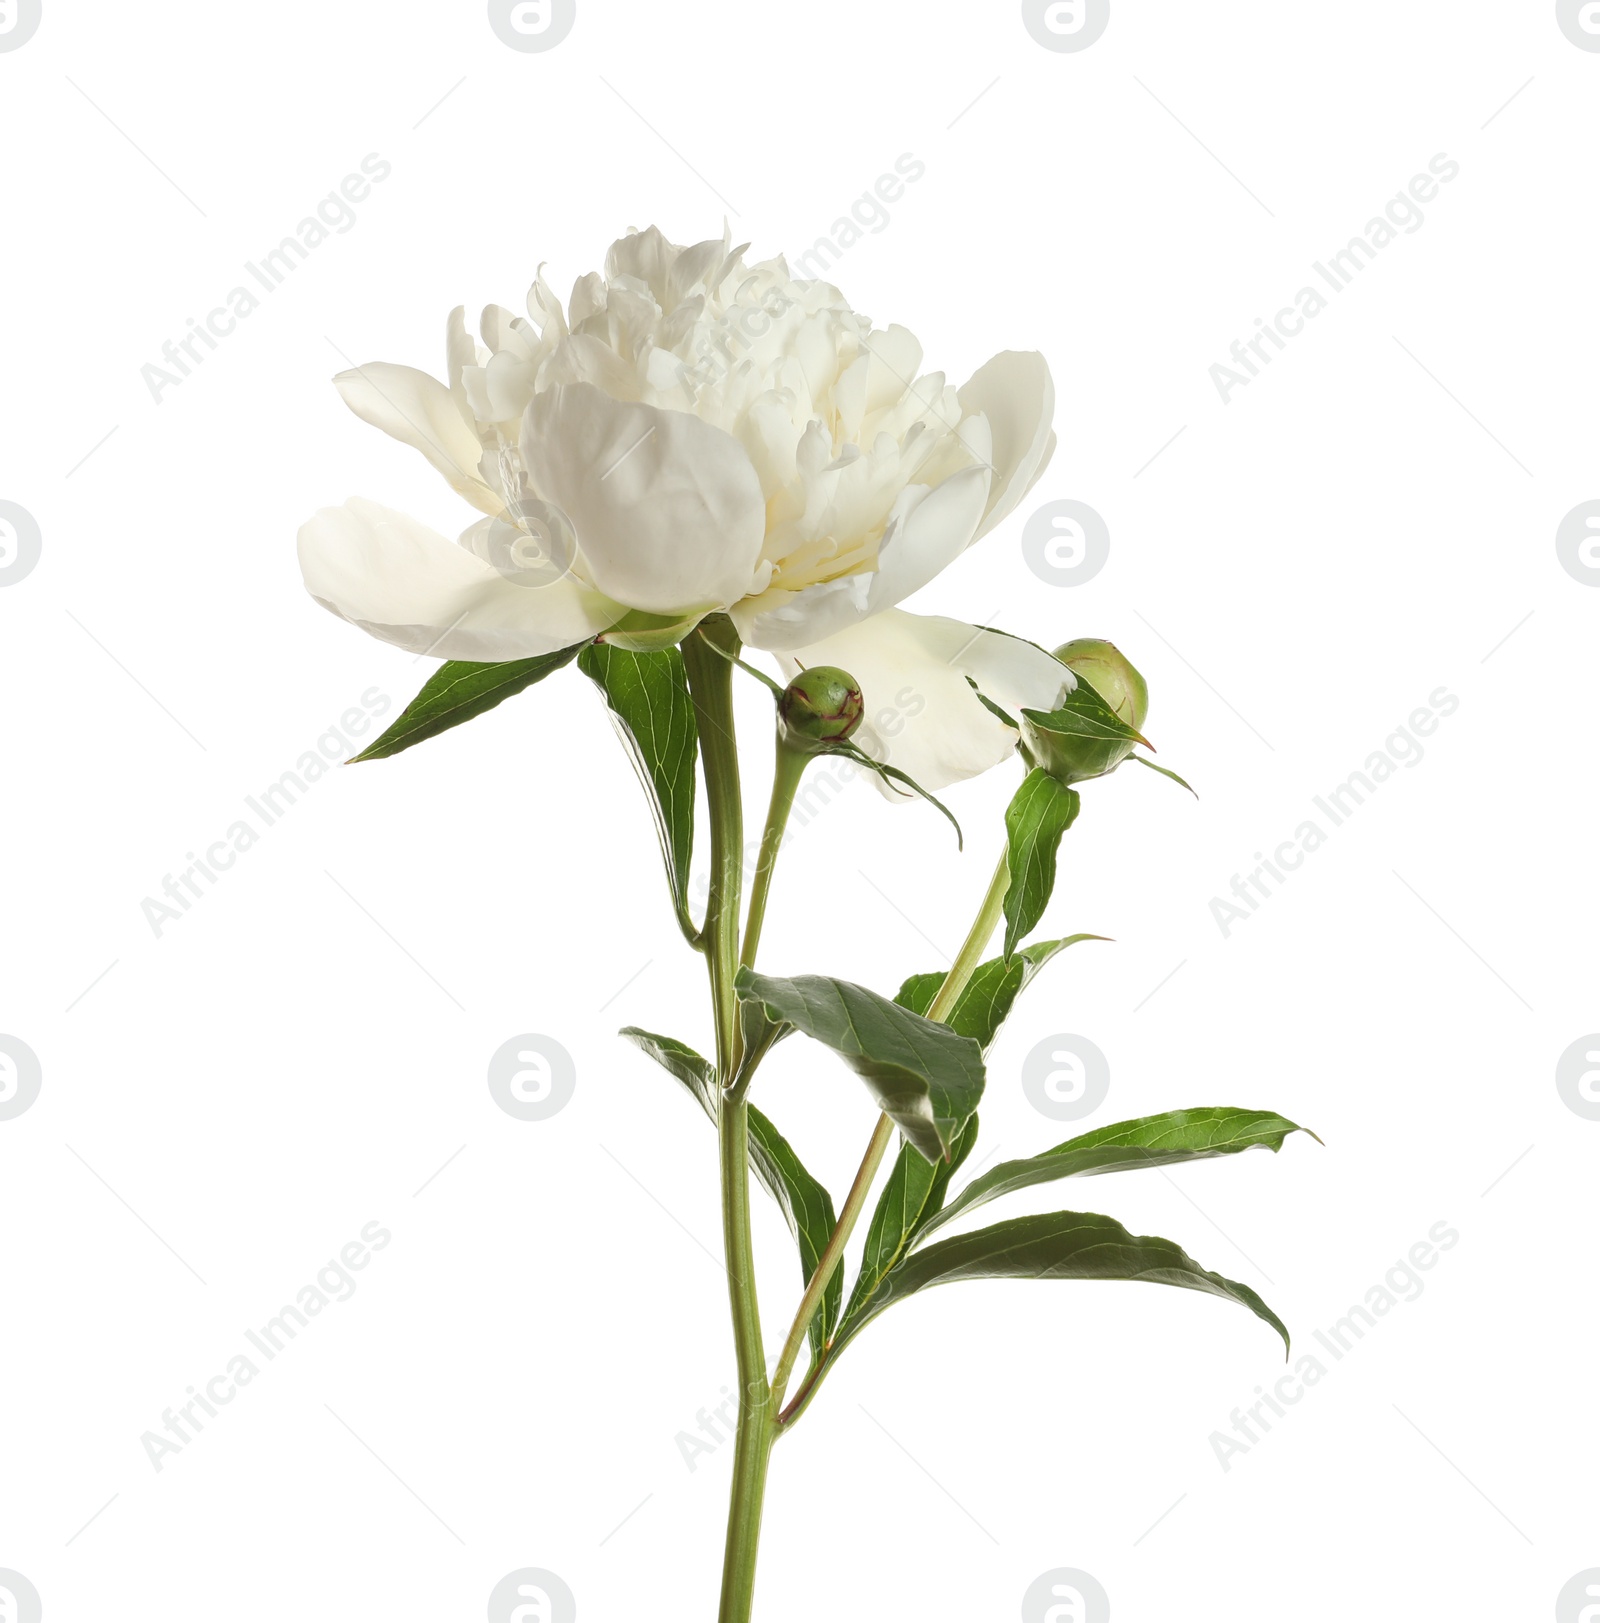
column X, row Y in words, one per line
column 1042, row 810
column 458, row 691
column 648, row 694
column 893, row 775
column 1151, row 1141
column 988, row 997
column 926, row 1078
column 642, row 633
column 1165, row 772
column 679, row 1060
column 915, row 1192
column 1084, row 714
column 1082, row 738
column 807, row 1207
column 1058, row 1245
column 994, row 709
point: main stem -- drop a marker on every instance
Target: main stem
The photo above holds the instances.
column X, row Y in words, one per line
column 711, row 684
column 948, row 995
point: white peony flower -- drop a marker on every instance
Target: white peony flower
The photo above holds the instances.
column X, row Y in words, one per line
column 697, row 435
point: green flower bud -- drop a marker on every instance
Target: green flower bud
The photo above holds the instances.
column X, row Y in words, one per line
column 820, row 706
column 1108, row 671
column 1097, row 725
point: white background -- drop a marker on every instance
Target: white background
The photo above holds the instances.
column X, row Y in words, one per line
column 1371, row 520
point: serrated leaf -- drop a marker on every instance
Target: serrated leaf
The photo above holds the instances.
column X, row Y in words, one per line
column 807, row 1207
column 648, row 696
column 1041, row 811
column 458, row 691
column 1165, row 772
column 925, row 1077
column 1125, row 1146
column 1057, row 1245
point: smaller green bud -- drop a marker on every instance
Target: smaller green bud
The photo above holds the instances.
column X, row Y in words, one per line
column 820, row 706
column 1075, row 747
column 1110, row 673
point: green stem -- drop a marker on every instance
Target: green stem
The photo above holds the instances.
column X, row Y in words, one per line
column 757, row 1413
column 949, row 994
column 711, row 686
column 976, row 944
column 787, row 770
column 832, row 1256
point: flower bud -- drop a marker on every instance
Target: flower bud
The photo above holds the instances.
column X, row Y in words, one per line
column 820, row 706
column 1108, row 671
column 1081, row 739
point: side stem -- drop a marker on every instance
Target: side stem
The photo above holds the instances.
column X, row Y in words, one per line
column 948, row 995
column 787, row 770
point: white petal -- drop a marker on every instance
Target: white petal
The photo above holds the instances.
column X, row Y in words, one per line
column 420, row 411
column 460, row 353
column 1015, row 392
column 921, row 714
column 896, row 355
column 927, row 531
column 668, row 510
column 777, row 619
column 411, row 586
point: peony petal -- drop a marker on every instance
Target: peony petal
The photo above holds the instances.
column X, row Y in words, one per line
column 927, row 531
column 460, row 353
column 646, row 256
column 1015, row 392
column 896, row 355
column 778, row 619
column 421, row 412
column 668, row 509
column 921, row 713
column 409, row 585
